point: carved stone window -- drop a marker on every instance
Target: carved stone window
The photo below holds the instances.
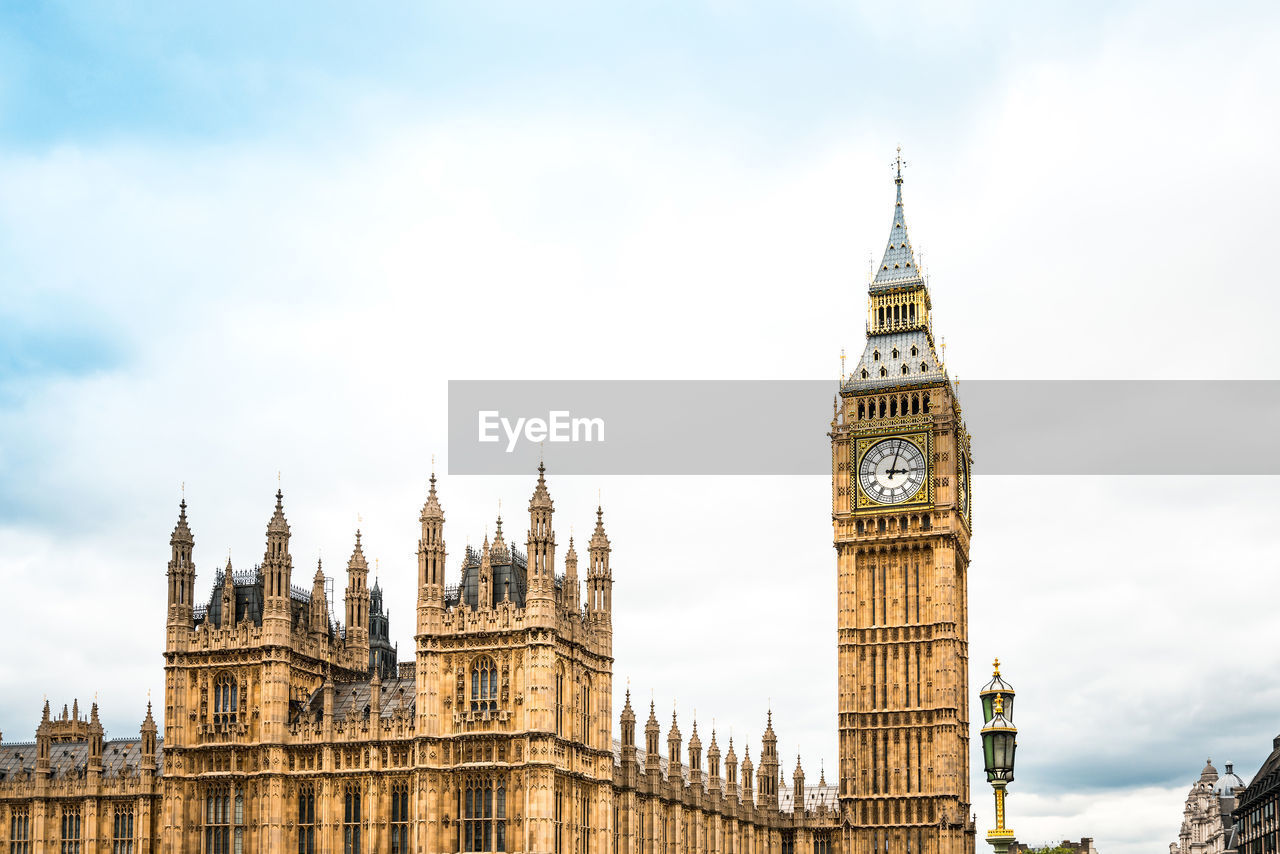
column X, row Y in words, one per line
column 226, row 698
column 122, row 830
column 351, row 819
column 482, row 808
column 224, row 821
column 484, row 685
column 400, row 817
column 307, row 820
column 70, row 829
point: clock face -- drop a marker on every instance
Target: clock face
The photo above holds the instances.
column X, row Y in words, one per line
column 892, row 471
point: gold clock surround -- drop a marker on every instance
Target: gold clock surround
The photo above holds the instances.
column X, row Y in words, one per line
column 922, row 439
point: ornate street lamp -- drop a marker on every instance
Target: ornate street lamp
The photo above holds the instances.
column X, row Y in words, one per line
column 999, row 742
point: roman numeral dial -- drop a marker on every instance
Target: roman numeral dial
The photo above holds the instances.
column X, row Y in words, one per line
column 892, row 471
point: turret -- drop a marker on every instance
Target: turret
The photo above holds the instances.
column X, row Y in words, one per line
column 542, row 546
column 797, row 795
column 148, row 733
column 431, row 563
column 769, row 766
column 44, row 741
column 277, row 565
column 357, row 603
column 713, row 763
column 731, row 771
column 227, row 614
column 484, row 594
column 599, row 579
column 673, row 752
column 319, row 606
column 571, row 597
column 695, row 755
column 748, row 784
column 182, row 571
column 628, row 727
column 651, row 759
column 95, row 740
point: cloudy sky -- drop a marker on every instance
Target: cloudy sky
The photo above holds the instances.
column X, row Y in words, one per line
column 244, row 241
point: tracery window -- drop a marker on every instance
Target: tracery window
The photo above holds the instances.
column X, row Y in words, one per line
column 19, row 830
column 483, row 809
column 484, row 685
column 584, row 820
column 822, row 843
column 224, row 821
column 559, row 819
column 400, row 818
column 351, row 820
column 70, row 837
column 307, row 820
column 560, row 701
column 226, row 698
column 584, row 708
column 122, row 830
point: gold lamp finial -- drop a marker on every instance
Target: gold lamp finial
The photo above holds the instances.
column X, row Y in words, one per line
column 996, row 665
column 998, row 706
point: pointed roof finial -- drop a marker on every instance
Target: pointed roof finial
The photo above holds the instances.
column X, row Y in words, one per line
column 541, row 497
column 996, row 664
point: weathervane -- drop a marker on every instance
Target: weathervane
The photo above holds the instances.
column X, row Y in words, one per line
column 897, row 164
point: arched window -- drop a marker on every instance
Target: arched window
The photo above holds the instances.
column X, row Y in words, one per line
column 864, row 373
column 483, row 809
column 122, row 829
column 560, row 701
column 904, row 370
column 400, row 817
column 584, row 710
column 226, row 698
column 895, row 352
column 307, row 820
column 351, row 819
column 914, row 350
column 875, row 354
column 223, row 826
column 883, row 372
column 923, row 367
column 484, row 685
column 70, row 829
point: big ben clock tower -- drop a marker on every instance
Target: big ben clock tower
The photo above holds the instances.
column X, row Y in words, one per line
column 901, row 516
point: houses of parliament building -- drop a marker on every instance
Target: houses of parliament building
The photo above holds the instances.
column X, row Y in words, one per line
column 287, row 728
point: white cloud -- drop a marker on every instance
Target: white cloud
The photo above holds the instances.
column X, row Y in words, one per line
column 301, row 308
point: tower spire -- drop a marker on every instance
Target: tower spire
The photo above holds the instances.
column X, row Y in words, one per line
column 900, row 348
column 541, row 548
column 182, row 570
column 277, row 565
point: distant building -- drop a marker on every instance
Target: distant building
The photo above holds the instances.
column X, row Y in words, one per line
column 1208, row 818
column 1256, row 824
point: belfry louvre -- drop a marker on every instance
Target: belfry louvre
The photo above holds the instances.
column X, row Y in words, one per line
column 288, row 729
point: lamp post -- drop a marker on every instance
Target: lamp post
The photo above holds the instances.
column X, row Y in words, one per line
column 999, row 742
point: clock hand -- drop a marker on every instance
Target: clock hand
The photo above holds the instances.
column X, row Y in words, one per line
column 897, row 450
